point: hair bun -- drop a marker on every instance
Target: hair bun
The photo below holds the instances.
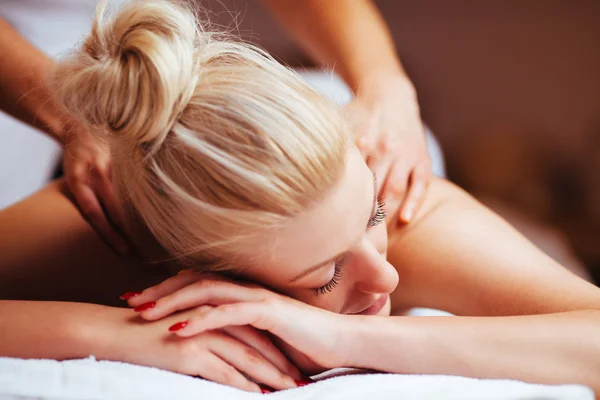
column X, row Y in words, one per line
column 135, row 74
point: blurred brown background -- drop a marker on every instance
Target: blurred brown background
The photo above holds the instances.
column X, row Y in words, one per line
column 511, row 88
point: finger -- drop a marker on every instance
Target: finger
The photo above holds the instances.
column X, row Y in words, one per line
column 381, row 168
column 92, row 212
column 214, row 368
column 107, row 195
column 416, row 193
column 265, row 346
column 366, row 145
column 368, row 138
column 237, row 314
column 392, row 198
column 394, row 188
column 165, row 288
column 110, row 211
column 203, row 292
column 250, row 362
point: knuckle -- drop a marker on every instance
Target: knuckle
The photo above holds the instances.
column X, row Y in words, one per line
column 282, row 376
column 206, row 283
column 203, row 285
column 187, row 351
column 252, row 355
column 265, row 294
column 76, row 173
column 203, row 309
column 364, row 144
column 271, row 301
column 102, row 169
column 396, row 187
column 151, row 291
column 88, row 208
column 227, row 374
column 390, row 146
column 72, row 178
column 266, row 343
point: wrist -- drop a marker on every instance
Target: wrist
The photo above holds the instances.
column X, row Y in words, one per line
column 100, row 334
column 61, row 126
column 46, row 113
column 376, row 339
column 360, row 339
column 382, row 85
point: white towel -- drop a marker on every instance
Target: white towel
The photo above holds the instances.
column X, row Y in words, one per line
column 88, row 379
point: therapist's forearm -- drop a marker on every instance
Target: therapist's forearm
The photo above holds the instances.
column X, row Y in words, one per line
column 348, row 35
column 562, row 348
column 24, row 93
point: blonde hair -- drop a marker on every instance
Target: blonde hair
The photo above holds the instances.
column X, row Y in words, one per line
column 211, row 139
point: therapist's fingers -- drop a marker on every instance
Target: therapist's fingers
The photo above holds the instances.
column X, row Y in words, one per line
column 419, row 181
column 393, row 187
column 105, row 192
column 92, row 211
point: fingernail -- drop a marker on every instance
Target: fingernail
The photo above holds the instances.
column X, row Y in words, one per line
column 303, row 382
column 265, row 390
column 178, row 326
column 145, row 306
column 129, row 295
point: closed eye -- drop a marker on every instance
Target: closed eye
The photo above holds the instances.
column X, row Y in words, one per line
column 380, row 213
column 337, row 276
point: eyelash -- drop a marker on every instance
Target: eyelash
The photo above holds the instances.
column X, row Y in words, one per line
column 380, row 215
column 337, row 276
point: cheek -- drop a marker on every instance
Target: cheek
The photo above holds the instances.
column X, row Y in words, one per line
column 333, row 301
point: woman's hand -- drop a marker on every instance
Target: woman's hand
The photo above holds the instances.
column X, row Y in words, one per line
column 236, row 356
column 86, row 164
column 315, row 338
column 391, row 137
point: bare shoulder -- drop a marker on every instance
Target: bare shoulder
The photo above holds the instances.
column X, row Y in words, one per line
column 459, row 256
column 439, row 193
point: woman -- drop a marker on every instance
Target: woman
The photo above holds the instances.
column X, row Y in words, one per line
column 225, row 161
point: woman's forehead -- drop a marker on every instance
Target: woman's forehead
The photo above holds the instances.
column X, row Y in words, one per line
column 326, row 229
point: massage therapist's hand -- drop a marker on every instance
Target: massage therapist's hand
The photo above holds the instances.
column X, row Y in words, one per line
column 308, row 332
column 234, row 356
column 86, row 167
column 391, row 137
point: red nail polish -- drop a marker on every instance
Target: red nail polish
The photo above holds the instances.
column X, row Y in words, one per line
column 178, row 326
column 303, row 382
column 265, row 391
column 129, row 295
column 145, row 306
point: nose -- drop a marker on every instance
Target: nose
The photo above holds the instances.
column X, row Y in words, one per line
column 372, row 273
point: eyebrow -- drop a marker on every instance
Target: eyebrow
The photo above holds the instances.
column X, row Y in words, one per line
column 327, row 262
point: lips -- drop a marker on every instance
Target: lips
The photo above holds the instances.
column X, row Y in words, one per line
column 375, row 307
